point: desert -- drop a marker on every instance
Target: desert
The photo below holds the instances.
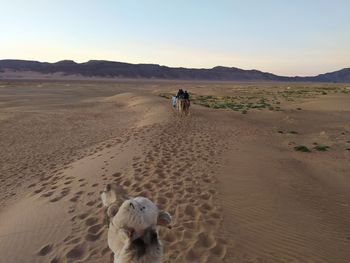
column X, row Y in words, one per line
column 257, row 172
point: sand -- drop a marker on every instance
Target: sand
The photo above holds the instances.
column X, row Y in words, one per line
column 237, row 189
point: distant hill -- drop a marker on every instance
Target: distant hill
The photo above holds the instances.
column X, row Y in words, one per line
column 342, row 75
column 111, row 69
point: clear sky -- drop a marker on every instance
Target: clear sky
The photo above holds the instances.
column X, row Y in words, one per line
column 286, row 37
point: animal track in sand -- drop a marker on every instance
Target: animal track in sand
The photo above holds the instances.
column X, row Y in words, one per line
column 92, row 237
column 83, row 216
column 190, row 210
column 206, row 207
column 68, row 182
column 45, row 250
column 95, row 229
column 126, row 183
column 75, row 198
column 116, row 175
column 55, row 199
column 47, row 194
column 91, row 221
column 205, row 240
column 91, row 203
column 39, row 190
column 219, row 250
column 76, row 252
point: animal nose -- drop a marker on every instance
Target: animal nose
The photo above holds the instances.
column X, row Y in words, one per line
column 132, row 205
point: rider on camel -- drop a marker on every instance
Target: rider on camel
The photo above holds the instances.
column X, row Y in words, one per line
column 180, row 94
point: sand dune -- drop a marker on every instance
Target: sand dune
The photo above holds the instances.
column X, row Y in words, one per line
column 237, row 190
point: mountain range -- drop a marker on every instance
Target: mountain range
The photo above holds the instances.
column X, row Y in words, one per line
column 111, row 69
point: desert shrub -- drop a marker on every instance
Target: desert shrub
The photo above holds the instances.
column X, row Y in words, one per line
column 321, row 148
column 301, row 148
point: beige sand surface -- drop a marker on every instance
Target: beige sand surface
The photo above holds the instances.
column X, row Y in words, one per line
column 235, row 186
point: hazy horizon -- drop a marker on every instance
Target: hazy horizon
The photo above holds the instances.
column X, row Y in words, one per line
column 281, row 37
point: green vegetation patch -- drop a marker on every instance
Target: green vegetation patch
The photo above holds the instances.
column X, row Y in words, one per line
column 302, row 148
column 236, row 103
column 321, row 148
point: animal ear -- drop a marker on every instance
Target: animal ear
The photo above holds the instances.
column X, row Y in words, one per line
column 164, row 218
column 112, row 210
column 129, row 231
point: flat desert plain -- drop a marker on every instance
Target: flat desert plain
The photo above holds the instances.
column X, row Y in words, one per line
column 258, row 172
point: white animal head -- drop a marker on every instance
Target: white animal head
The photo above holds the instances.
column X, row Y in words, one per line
column 140, row 213
column 132, row 233
column 135, row 214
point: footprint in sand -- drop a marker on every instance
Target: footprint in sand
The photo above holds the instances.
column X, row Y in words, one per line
column 116, row 175
column 92, row 237
column 91, row 221
column 206, row 207
column 76, row 252
column 190, row 210
column 206, row 241
column 55, row 199
column 47, row 194
column 45, row 250
column 219, row 250
column 38, row 190
column 91, row 203
column 83, row 216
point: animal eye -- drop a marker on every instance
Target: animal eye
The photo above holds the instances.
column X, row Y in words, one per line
column 143, row 207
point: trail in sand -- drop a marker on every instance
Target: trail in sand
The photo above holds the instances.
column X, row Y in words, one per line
column 235, row 187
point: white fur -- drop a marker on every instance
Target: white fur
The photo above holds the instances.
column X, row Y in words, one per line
column 137, row 214
column 129, row 223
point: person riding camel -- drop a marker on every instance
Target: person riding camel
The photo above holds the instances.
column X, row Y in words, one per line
column 180, row 94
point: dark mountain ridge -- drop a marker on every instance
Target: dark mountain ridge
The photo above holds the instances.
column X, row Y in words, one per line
column 112, row 69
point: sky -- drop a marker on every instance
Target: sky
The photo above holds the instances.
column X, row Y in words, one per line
column 299, row 37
